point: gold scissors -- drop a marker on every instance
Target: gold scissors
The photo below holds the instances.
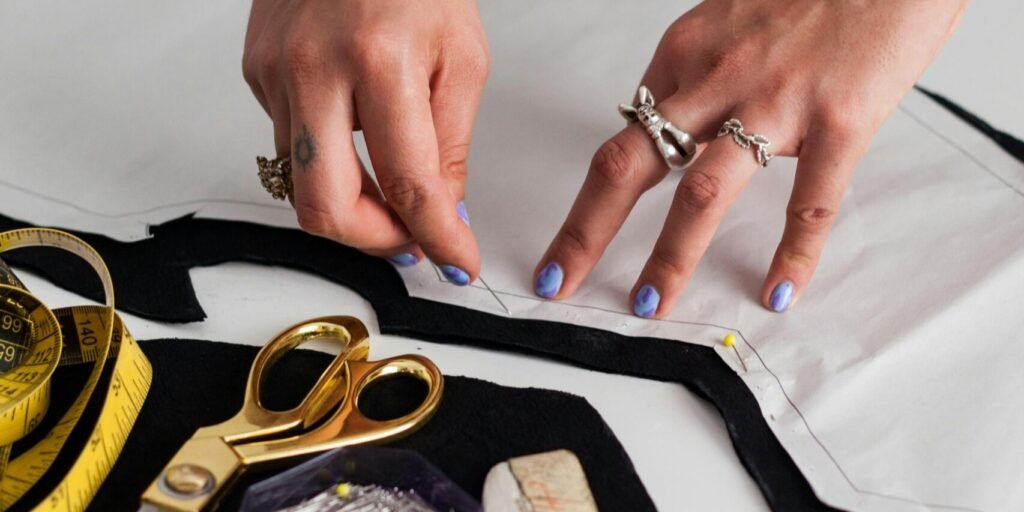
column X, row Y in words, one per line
column 212, row 460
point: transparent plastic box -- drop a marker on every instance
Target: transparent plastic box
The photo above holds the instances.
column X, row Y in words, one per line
column 360, row 465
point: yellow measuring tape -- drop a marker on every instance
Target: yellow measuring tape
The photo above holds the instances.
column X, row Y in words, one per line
column 34, row 341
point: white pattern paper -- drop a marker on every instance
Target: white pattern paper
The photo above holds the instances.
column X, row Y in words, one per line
column 894, row 384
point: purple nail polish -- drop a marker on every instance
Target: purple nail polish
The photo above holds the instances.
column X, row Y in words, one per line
column 455, row 275
column 460, row 208
column 781, row 296
column 549, row 281
column 405, row 259
column 646, row 302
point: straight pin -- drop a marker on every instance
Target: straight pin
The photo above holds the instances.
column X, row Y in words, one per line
column 730, row 341
column 495, row 295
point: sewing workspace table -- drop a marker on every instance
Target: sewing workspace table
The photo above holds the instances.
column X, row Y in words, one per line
column 678, row 442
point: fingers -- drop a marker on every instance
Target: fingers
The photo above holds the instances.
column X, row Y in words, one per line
column 403, row 146
column 823, row 170
column 704, row 194
column 328, row 179
column 453, row 104
column 622, row 169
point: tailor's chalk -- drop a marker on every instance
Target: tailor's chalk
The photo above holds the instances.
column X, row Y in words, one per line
column 545, row 481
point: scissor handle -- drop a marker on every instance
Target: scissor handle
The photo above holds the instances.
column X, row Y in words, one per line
column 216, row 455
column 348, row 425
column 255, row 421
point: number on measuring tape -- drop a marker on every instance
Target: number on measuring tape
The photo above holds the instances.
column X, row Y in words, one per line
column 34, row 341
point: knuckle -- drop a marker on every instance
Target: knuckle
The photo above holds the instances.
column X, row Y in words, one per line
column 688, row 33
column 376, row 50
column 574, row 240
column 680, row 38
column 616, row 164
column 304, row 59
column 250, row 68
column 700, row 191
column 841, row 118
column 477, row 60
column 668, row 263
column 259, row 64
column 404, row 193
column 455, row 166
column 796, row 258
column 811, row 218
column 317, row 220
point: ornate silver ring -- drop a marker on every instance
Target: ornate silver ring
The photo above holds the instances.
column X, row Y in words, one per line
column 677, row 148
column 276, row 176
column 735, row 128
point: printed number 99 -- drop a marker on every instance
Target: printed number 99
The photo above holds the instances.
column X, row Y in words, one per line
column 10, row 323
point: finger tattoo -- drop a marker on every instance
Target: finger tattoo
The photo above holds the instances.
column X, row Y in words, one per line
column 304, row 149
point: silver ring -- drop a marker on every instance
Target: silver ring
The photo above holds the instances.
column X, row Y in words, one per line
column 677, row 148
column 735, row 128
column 276, row 176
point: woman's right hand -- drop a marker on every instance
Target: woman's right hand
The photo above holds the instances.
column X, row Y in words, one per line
column 409, row 76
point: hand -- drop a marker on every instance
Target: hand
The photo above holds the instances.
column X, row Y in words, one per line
column 410, row 76
column 818, row 78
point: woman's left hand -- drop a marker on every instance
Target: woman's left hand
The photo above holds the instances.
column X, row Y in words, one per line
column 817, row 78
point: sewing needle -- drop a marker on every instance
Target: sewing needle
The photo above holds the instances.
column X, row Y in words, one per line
column 495, row 295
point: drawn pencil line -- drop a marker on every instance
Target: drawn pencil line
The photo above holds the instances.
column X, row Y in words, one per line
column 194, row 202
column 775, row 376
column 962, row 151
column 495, row 293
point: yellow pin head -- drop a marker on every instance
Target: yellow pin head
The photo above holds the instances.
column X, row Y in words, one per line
column 343, row 491
column 729, row 340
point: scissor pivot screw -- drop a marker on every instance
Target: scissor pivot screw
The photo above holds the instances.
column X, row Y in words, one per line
column 189, row 479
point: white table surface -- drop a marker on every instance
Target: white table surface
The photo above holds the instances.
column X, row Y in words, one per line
column 677, row 442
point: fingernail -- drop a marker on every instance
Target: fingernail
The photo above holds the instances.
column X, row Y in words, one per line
column 549, row 281
column 646, row 301
column 405, row 259
column 781, row 296
column 455, row 275
column 460, row 208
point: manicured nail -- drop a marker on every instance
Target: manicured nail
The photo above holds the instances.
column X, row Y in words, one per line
column 781, row 296
column 460, row 208
column 455, row 275
column 646, row 301
column 549, row 281
column 405, row 259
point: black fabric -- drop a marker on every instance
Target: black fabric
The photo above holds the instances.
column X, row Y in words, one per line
column 1009, row 143
column 478, row 424
column 149, row 276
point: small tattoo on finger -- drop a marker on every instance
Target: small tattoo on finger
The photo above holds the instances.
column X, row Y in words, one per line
column 304, row 149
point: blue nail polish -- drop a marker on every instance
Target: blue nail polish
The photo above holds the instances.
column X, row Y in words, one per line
column 455, row 275
column 781, row 296
column 646, row 302
column 460, row 208
column 549, row 281
column 405, row 259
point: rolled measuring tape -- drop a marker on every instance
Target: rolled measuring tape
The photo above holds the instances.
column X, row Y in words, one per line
column 34, row 342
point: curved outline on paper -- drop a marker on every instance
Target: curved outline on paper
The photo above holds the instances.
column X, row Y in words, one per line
column 164, row 292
